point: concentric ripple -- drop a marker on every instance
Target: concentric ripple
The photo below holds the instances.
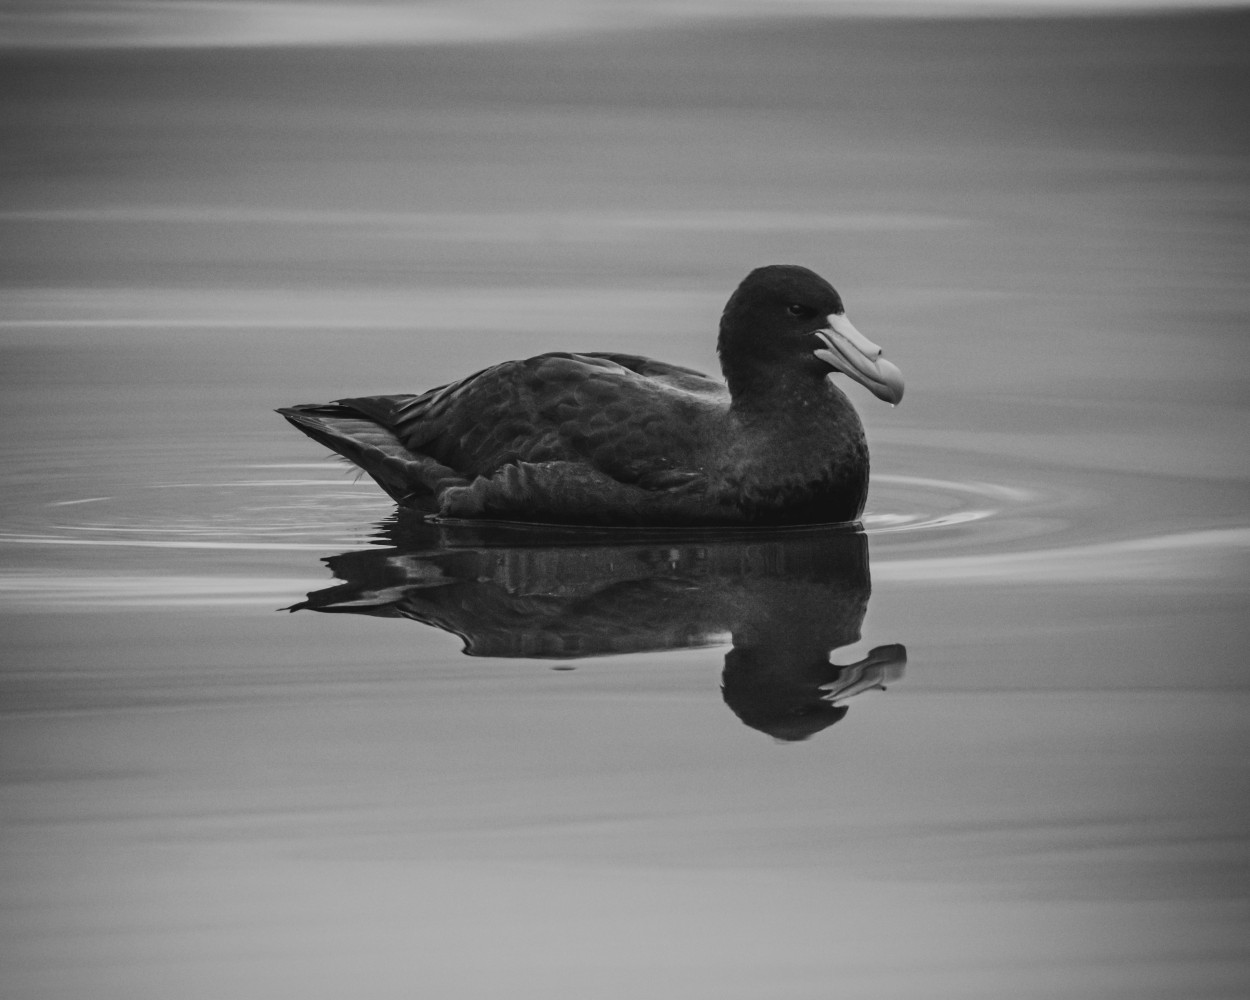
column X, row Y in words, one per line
column 918, row 503
column 250, row 512
column 269, row 510
column 923, row 530
column 932, row 531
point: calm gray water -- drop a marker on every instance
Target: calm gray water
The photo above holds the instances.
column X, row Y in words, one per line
column 1044, row 224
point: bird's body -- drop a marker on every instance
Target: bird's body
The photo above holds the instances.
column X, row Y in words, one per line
column 617, row 439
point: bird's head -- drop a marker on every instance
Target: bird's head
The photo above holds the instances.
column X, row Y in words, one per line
column 786, row 315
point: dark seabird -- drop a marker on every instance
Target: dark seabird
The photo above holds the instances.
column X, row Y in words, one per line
column 618, row 439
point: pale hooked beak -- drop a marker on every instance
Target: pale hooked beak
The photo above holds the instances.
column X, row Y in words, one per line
column 853, row 354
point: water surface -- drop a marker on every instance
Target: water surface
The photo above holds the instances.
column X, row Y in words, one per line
column 1043, row 224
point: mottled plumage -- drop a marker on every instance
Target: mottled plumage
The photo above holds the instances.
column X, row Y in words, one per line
column 602, row 438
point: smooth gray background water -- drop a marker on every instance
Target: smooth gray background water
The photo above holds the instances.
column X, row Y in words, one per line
column 1044, row 222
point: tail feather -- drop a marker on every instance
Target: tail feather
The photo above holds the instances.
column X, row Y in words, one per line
column 408, row 477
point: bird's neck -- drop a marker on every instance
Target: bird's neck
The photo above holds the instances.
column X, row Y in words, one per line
column 782, row 395
column 799, row 447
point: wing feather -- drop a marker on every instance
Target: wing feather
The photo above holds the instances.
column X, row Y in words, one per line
column 626, row 416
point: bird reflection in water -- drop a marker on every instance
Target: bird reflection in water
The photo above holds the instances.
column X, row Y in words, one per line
column 785, row 598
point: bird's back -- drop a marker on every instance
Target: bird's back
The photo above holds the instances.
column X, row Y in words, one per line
column 607, row 431
column 624, row 415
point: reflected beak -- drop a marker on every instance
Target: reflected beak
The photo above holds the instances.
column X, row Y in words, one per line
column 850, row 352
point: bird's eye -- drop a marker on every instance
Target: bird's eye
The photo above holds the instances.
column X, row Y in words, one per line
column 798, row 310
